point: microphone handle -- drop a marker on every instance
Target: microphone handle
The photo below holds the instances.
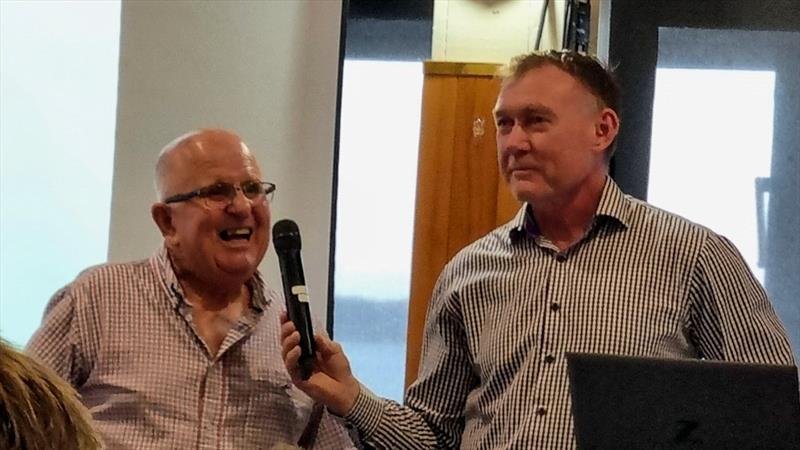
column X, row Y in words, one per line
column 297, row 306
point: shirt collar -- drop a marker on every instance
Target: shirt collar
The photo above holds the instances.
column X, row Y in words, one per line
column 614, row 205
column 162, row 264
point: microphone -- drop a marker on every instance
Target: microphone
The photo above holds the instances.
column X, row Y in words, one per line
column 286, row 239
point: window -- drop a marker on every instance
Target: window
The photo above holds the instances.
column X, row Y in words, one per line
column 378, row 147
column 58, row 85
column 709, row 162
column 724, row 147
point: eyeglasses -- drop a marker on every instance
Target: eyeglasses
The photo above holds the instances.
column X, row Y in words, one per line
column 220, row 195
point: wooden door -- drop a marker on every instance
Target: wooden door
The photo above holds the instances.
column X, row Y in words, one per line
column 460, row 194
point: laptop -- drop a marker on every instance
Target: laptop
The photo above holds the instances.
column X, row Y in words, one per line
column 623, row 402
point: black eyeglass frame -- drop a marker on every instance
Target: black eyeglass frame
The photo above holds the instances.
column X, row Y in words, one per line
column 205, row 192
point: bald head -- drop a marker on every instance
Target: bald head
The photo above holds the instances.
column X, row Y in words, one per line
column 214, row 246
column 179, row 160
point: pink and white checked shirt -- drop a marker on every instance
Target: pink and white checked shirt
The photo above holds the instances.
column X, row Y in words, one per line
column 124, row 337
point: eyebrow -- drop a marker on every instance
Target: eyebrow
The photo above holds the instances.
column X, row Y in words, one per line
column 527, row 110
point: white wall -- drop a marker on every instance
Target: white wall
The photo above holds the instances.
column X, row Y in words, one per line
column 265, row 69
column 493, row 31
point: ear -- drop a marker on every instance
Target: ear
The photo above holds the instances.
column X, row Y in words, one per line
column 606, row 128
column 162, row 216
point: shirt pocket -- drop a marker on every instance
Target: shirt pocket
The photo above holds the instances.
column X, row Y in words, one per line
column 273, row 401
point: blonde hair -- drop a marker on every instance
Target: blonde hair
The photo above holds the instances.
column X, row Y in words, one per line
column 38, row 409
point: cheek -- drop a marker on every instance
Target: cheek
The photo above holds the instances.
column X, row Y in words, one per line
column 188, row 227
column 503, row 156
column 263, row 215
column 201, row 232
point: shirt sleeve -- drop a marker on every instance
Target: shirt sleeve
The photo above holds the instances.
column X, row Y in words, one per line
column 433, row 415
column 58, row 343
column 731, row 317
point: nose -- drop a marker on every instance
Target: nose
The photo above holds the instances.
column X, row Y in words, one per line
column 239, row 205
column 516, row 140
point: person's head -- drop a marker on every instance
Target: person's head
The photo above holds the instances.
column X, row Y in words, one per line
column 556, row 122
column 38, row 409
column 213, row 208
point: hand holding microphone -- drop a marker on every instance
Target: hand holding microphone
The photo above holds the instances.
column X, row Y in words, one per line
column 324, row 370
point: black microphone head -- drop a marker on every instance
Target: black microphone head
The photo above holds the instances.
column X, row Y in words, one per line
column 285, row 235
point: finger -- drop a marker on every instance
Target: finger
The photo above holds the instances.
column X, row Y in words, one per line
column 288, row 343
column 291, row 362
column 313, row 386
column 287, row 328
column 326, row 346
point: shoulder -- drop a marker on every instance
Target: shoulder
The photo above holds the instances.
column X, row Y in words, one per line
column 497, row 242
column 103, row 280
column 488, row 253
column 661, row 225
column 108, row 273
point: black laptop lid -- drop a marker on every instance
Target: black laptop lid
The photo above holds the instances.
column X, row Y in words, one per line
column 645, row 403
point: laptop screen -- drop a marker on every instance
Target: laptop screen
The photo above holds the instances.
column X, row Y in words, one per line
column 647, row 403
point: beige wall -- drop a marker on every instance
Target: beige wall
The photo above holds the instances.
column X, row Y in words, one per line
column 267, row 69
column 492, row 31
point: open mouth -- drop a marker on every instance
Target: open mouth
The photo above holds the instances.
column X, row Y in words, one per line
column 234, row 234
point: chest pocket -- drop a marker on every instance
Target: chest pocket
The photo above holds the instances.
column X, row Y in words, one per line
column 271, row 397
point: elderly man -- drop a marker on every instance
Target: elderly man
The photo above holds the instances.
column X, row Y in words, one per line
column 182, row 350
column 581, row 268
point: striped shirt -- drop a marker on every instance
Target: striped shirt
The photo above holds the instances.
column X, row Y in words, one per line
column 123, row 335
column 507, row 308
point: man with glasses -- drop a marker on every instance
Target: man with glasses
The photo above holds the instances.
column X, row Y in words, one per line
column 581, row 268
column 182, row 350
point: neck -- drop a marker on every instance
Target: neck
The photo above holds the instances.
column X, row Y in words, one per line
column 213, row 297
column 213, row 294
column 564, row 220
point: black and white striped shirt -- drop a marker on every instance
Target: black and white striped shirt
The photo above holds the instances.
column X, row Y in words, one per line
column 506, row 309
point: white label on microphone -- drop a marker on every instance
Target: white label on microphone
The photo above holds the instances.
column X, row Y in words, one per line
column 301, row 292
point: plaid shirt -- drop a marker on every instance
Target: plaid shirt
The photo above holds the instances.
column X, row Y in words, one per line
column 124, row 337
column 507, row 308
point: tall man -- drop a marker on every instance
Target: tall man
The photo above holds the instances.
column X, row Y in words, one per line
column 182, row 350
column 581, row 268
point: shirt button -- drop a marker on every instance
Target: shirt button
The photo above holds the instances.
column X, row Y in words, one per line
column 541, row 411
column 554, row 306
column 549, row 359
column 561, row 257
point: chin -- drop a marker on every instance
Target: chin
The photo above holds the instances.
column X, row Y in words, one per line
column 244, row 271
column 238, row 267
column 525, row 192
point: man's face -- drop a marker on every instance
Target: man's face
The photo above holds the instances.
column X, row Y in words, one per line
column 215, row 245
column 547, row 143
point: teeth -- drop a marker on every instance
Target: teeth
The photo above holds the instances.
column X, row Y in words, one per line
column 237, row 233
